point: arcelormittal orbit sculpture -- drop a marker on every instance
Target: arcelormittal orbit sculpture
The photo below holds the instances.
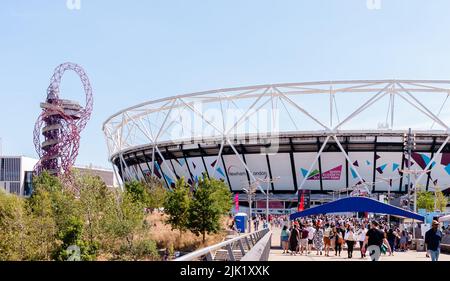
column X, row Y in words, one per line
column 61, row 123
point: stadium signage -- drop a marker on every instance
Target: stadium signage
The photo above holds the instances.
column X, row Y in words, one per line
column 234, row 172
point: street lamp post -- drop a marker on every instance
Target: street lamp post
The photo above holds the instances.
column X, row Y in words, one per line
column 268, row 182
column 389, row 181
column 250, row 191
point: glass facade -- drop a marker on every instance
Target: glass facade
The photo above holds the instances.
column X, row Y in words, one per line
column 10, row 169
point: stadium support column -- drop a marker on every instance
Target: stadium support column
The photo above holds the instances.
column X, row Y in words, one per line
column 374, row 168
column 320, row 165
column 119, row 179
column 433, row 147
column 294, row 171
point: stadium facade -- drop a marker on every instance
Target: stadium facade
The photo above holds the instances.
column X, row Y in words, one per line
column 325, row 137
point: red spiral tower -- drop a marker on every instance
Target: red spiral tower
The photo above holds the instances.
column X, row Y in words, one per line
column 60, row 123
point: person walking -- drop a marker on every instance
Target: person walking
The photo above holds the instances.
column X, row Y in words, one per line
column 311, row 230
column 294, row 239
column 391, row 236
column 339, row 240
column 327, row 239
column 403, row 241
column 350, row 240
column 375, row 237
column 285, row 239
column 303, row 239
column 318, row 239
column 361, row 237
column 433, row 238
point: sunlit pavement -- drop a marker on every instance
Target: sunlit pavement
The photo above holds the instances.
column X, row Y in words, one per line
column 276, row 254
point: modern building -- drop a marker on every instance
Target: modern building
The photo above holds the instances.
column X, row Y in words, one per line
column 16, row 174
column 106, row 175
column 334, row 138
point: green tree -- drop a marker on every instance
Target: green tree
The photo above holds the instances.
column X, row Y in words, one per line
column 13, row 227
column 211, row 201
column 96, row 200
column 72, row 235
column 140, row 249
column 157, row 193
column 425, row 200
column 176, row 206
column 441, row 200
column 124, row 219
column 63, row 203
column 138, row 192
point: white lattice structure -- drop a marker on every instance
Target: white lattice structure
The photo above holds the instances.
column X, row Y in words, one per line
column 291, row 131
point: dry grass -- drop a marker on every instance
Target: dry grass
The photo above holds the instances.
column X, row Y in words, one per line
column 165, row 236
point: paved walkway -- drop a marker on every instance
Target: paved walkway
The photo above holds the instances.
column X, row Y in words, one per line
column 276, row 254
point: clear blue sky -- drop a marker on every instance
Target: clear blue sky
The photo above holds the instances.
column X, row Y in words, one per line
column 135, row 51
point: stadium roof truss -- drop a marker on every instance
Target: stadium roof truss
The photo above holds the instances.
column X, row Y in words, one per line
column 294, row 109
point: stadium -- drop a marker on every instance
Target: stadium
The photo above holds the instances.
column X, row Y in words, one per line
column 330, row 138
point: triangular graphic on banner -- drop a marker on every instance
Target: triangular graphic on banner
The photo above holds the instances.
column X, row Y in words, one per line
column 377, row 156
column 381, row 168
column 445, row 159
column 356, row 163
column 218, row 169
column 368, row 163
column 395, row 166
column 304, row 172
column 213, row 163
column 157, row 170
column 427, row 160
column 354, row 175
column 333, row 174
column 447, row 169
column 169, row 180
column 312, row 174
column 408, row 165
column 181, row 161
column 195, row 166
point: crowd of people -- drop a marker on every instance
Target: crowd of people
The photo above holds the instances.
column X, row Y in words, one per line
column 329, row 235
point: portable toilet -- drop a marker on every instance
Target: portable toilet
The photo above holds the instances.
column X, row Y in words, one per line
column 241, row 221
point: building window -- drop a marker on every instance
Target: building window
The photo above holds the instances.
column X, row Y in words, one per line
column 14, row 188
column 10, row 169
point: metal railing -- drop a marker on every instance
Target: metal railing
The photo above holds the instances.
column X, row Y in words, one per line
column 245, row 246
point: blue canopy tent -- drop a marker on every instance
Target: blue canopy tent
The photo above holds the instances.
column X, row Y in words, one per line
column 357, row 204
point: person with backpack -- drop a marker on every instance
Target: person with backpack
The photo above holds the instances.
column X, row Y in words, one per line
column 350, row 239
